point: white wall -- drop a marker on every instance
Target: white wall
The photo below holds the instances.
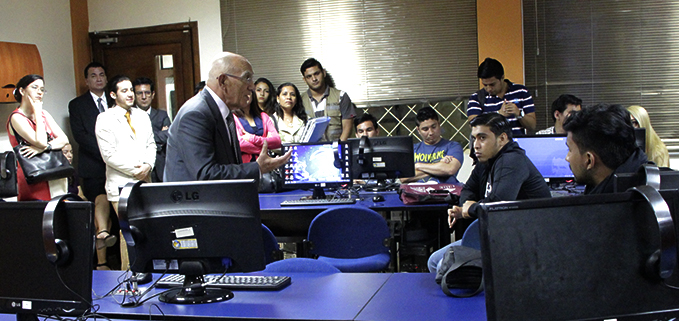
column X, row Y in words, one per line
column 46, row 24
column 124, row 14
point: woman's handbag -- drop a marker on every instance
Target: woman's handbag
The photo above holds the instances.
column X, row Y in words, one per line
column 46, row 166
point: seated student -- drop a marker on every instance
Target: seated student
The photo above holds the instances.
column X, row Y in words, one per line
column 366, row 125
column 436, row 159
column 656, row 151
column 503, row 173
column 601, row 143
column 561, row 108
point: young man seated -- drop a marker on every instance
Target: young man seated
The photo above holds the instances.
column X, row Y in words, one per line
column 561, row 109
column 436, row 159
column 503, row 173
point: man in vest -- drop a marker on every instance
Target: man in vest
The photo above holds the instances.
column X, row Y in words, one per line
column 323, row 99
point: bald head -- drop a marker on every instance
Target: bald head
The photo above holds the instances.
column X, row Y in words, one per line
column 231, row 78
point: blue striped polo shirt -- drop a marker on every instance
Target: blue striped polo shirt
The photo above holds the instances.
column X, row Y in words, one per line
column 516, row 93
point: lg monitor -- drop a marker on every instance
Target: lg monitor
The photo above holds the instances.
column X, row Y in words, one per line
column 381, row 158
column 193, row 228
column 316, row 166
column 548, row 154
column 47, row 257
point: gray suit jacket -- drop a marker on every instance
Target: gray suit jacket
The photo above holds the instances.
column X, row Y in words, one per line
column 198, row 146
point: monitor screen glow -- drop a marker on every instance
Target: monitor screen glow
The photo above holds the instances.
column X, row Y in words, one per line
column 548, row 154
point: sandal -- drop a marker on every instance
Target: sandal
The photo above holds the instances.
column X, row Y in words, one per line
column 108, row 241
column 105, row 265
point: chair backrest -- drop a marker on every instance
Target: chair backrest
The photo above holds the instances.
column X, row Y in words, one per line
column 270, row 244
column 348, row 232
column 472, row 236
column 301, row 264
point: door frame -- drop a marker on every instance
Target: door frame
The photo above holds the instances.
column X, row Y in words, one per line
column 184, row 34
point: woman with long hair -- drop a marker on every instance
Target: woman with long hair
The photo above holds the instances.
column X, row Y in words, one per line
column 254, row 127
column 655, row 148
column 290, row 114
column 38, row 131
column 264, row 96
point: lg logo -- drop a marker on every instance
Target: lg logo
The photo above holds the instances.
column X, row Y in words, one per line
column 178, row 196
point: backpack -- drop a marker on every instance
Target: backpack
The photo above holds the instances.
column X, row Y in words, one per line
column 461, row 268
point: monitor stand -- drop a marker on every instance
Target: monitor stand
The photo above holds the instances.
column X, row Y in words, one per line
column 318, row 193
column 381, row 186
column 193, row 291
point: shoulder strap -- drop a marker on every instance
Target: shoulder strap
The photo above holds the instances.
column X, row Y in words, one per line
column 444, row 283
column 481, row 94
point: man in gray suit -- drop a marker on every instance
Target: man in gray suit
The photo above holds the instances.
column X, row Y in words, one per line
column 144, row 93
column 202, row 142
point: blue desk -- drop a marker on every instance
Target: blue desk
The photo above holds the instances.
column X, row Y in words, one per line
column 316, row 296
column 415, row 296
column 311, row 296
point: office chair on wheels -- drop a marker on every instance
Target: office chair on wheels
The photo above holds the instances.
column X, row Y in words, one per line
column 351, row 238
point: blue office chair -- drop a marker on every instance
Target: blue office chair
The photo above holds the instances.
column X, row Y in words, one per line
column 272, row 251
column 301, row 264
column 351, row 238
column 472, row 236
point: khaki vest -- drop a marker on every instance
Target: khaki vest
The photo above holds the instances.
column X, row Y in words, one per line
column 334, row 130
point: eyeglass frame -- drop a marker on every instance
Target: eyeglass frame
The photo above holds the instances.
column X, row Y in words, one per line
column 248, row 79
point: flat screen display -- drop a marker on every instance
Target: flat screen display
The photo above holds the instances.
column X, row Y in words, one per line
column 548, row 154
column 316, row 164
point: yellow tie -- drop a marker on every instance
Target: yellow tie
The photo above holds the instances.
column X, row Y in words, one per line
column 129, row 122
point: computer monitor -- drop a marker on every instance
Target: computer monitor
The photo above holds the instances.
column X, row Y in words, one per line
column 648, row 174
column 575, row 258
column 193, row 228
column 548, row 154
column 316, row 165
column 30, row 283
column 382, row 157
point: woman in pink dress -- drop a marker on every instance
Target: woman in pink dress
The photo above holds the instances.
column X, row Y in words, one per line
column 254, row 127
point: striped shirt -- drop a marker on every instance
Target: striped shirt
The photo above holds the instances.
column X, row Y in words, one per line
column 518, row 94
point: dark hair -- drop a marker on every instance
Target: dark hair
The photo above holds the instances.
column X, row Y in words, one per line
column 23, row 83
column 311, row 62
column 490, row 68
column 270, row 103
column 112, row 87
column 364, row 118
column 426, row 113
column 144, row 81
column 497, row 123
column 562, row 103
column 255, row 111
column 199, row 87
column 93, row 64
column 605, row 130
column 298, row 109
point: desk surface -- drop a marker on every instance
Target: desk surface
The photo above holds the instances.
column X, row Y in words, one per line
column 272, row 202
column 311, row 296
column 415, row 296
column 315, row 296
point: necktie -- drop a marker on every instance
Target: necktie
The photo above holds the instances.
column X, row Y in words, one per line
column 233, row 137
column 100, row 105
column 129, row 122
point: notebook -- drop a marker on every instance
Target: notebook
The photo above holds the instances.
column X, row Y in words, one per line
column 314, row 129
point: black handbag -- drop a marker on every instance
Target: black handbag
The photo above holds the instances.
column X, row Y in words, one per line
column 46, row 166
column 8, row 175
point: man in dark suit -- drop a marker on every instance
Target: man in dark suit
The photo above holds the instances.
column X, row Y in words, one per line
column 83, row 111
column 144, row 92
column 202, row 142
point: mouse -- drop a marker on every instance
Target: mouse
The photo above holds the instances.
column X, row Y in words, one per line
column 378, row 198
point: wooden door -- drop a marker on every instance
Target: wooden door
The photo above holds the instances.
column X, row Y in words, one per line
column 136, row 53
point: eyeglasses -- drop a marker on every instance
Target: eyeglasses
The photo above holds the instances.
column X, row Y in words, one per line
column 249, row 79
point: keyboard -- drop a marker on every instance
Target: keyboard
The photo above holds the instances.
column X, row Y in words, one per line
column 321, row 201
column 231, row 282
